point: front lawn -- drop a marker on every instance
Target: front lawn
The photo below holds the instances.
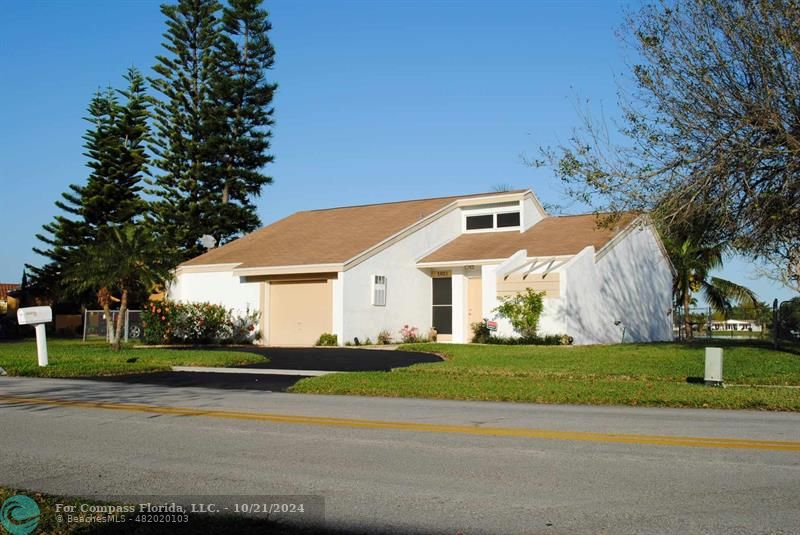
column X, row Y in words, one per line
column 626, row 374
column 74, row 358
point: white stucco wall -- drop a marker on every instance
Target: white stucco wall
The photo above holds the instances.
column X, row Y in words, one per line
column 632, row 283
column 530, row 213
column 221, row 288
column 552, row 320
column 408, row 289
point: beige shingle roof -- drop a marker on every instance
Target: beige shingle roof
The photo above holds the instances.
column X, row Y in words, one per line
column 553, row 236
column 329, row 236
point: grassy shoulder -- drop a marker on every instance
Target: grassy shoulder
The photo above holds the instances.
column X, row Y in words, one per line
column 74, row 358
column 627, row 374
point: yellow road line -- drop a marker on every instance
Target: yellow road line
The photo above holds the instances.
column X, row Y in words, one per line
column 548, row 434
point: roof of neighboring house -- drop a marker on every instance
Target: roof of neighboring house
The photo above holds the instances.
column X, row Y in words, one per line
column 6, row 287
column 329, row 236
column 552, row 236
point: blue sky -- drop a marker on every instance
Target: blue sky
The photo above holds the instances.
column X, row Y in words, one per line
column 378, row 100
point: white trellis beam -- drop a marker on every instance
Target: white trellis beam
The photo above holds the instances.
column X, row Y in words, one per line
column 512, row 263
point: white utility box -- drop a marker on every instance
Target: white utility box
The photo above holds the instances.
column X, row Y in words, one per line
column 37, row 316
column 713, row 374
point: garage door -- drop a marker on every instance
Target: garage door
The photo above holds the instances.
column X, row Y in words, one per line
column 299, row 312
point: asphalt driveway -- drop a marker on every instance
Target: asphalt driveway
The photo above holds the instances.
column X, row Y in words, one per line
column 339, row 359
column 294, row 358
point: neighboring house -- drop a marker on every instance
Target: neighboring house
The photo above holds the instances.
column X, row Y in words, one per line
column 8, row 303
column 442, row 263
column 736, row 325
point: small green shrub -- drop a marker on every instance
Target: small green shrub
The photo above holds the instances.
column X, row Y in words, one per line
column 523, row 311
column 327, row 339
column 549, row 340
column 384, row 337
column 480, row 333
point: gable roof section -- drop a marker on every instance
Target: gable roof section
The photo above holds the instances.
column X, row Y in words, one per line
column 552, row 236
column 329, row 236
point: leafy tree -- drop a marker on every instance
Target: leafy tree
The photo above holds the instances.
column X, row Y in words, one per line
column 693, row 264
column 710, row 129
column 123, row 259
column 523, row 311
column 243, row 97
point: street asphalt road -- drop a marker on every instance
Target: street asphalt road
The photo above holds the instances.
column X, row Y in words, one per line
column 295, row 358
column 413, row 466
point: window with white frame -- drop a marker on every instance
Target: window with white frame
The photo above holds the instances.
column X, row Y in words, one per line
column 379, row 290
column 492, row 217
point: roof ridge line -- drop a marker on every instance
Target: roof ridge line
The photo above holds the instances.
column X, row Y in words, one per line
column 485, row 194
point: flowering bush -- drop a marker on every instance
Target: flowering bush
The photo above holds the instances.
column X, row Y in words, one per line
column 409, row 335
column 197, row 323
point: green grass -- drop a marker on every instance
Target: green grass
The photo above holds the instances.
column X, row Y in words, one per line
column 74, row 358
column 629, row 374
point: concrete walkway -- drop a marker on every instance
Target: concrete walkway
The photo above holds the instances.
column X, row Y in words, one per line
column 251, row 371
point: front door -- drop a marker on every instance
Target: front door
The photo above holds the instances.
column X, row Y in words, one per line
column 474, row 304
column 443, row 305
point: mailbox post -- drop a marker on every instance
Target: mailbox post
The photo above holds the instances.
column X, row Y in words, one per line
column 37, row 316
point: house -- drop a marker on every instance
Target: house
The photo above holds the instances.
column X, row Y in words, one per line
column 736, row 325
column 444, row 263
column 8, row 302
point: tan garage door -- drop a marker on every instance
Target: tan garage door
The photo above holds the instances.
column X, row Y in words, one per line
column 299, row 312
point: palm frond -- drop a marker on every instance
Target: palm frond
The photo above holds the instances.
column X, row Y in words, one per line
column 716, row 298
column 735, row 292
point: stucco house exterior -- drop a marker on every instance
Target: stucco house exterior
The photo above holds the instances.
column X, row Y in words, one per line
column 444, row 263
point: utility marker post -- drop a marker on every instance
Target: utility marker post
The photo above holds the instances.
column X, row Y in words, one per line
column 37, row 316
column 713, row 375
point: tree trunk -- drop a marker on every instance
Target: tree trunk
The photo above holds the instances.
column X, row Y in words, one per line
column 109, row 321
column 687, row 321
column 123, row 308
column 104, row 299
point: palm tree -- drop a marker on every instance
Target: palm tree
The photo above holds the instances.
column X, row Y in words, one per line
column 693, row 263
column 123, row 259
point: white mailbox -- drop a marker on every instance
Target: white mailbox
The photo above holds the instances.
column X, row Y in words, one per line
column 34, row 315
column 37, row 316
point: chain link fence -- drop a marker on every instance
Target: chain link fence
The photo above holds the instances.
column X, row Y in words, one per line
column 787, row 323
column 736, row 323
column 778, row 324
column 95, row 325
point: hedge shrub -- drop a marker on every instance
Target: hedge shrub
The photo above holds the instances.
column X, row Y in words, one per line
column 169, row 322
